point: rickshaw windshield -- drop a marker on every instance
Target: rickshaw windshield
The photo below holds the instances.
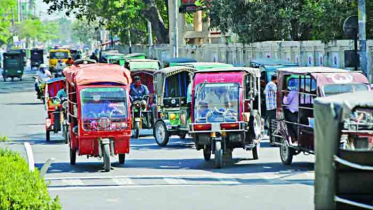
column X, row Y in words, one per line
column 103, row 102
column 216, row 102
column 334, row 89
column 59, row 55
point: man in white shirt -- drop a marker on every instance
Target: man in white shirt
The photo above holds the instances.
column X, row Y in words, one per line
column 43, row 75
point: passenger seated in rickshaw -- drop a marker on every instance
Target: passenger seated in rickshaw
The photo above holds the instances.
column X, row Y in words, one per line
column 217, row 97
column 138, row 90
column 202, row 110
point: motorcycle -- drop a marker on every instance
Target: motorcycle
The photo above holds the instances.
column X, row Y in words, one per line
column 139, row 106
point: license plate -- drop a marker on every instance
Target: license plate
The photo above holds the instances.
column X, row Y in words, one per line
column 19, row 71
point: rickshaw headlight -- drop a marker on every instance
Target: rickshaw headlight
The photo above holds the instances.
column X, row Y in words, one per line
column 172, row 116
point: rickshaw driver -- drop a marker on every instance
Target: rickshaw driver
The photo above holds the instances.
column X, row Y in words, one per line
column 42, row 76
column 138, row 90
column 218, row 96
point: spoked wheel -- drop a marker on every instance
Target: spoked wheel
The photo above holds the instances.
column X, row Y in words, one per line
column 122, row 158
column 256, row 151
column 218, row 155
column 207, row 153
column 162, row 136
column 286, row 153
column 72, row 156
column 107, row 164
column 48, row 136
column 137, row 130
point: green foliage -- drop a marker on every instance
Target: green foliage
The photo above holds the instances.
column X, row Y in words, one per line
column 4, row 139
column 7, row 9
column 21, row 189
column 264, row 20
column 85, row 31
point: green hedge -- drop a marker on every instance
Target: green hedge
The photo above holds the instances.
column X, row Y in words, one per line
column 20, row 188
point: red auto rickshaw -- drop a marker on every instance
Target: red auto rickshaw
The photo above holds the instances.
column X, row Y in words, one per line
column 53, row 106
column 226, row 112
column 98, row 111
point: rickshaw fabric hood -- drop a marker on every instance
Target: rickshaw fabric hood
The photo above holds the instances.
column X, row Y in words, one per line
column 95, row 73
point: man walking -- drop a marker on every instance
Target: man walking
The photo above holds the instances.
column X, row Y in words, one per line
column 271, row 100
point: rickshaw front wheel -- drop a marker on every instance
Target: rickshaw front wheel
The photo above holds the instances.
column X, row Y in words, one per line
column 218, row 155
column 286, row 153
column 122, row 158
column 107, row 164
column 72, row 156
column 48, row 136
column 256, row 151
column 162, row 135
column 207, row 153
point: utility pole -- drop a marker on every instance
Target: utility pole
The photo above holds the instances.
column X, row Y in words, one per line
column 150, row 38
column 129, row 41
column 176, row 30
column 363, row 41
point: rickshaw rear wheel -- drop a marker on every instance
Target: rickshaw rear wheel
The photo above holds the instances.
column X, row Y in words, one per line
column 122, row 158
column 207, row 153
column 256, row 151
column 72, row 156
column 107, row 164
column 218, row 155
column 161, row 134
column 12, row 79
column 48, row 135
column 20, row 78
column 286, row 153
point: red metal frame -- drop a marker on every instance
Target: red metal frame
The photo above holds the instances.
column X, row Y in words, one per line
column 58, row 85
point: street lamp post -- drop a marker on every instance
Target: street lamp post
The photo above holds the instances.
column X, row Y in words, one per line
column 362, row 37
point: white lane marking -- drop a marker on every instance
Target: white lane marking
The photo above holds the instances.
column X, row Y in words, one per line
column 123, row 181
column 229, row 181
column 175, row 181
column 73, row 182
column 120, row 187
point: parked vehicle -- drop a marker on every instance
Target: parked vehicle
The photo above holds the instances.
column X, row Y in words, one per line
column 293, row 129
column 174, row 61
column 55, row 55
column 37, row 57
column 13, row 65
column 344, row 151
column 143, row 109
column 55, row 121
column 225, row 114
column 171, row 114
column 98, row 111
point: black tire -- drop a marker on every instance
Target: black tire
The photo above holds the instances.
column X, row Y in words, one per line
column 12, row 79
column 161, row 134
column 48, row 136
column 72, row 156
column 4, row 78
column 106, row 151
column 256, row 151
column 20, row 79
column 183, row 136
column 137, row 130
column 66, row 133
column 286, row 153
column 122, row 158
column 207, row 153
column 218, row 155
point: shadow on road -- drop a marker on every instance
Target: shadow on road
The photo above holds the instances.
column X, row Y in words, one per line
column 8, row 87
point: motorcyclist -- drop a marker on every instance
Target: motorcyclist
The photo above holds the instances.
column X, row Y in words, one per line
column 42, row 76
column 138, row 90
column 60, row 66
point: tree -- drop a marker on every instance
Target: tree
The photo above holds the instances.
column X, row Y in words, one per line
column 84, row 31
column 8, row 8
column 262, row 20
column 119, row 16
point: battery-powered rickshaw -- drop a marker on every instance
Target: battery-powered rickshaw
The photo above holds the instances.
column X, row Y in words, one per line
column 55, row 105
column 98, row 111
column 13, row 65
column 344, row 151
column 172, row 111
column 143, row 108
column 226, row 112
column 37, row 58
column 174, row 61
column 293, row 129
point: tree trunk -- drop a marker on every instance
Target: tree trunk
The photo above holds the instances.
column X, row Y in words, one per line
column 151, row 13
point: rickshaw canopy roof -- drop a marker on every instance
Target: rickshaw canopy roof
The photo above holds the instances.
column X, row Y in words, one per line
column 135, row 55
column 180, row 60
column 96, row 73
column 13, row 53
column 55, row 80
column 143, row 64
column 205, row 65
column 253, row 71
column 169, row 71
column 310, row 70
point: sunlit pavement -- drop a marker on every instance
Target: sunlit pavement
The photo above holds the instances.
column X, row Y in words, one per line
column 171, row 177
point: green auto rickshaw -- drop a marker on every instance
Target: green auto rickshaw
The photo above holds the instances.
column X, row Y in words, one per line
column 13, row 65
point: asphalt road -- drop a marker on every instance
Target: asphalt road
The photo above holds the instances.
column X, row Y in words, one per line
column 172, row 177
